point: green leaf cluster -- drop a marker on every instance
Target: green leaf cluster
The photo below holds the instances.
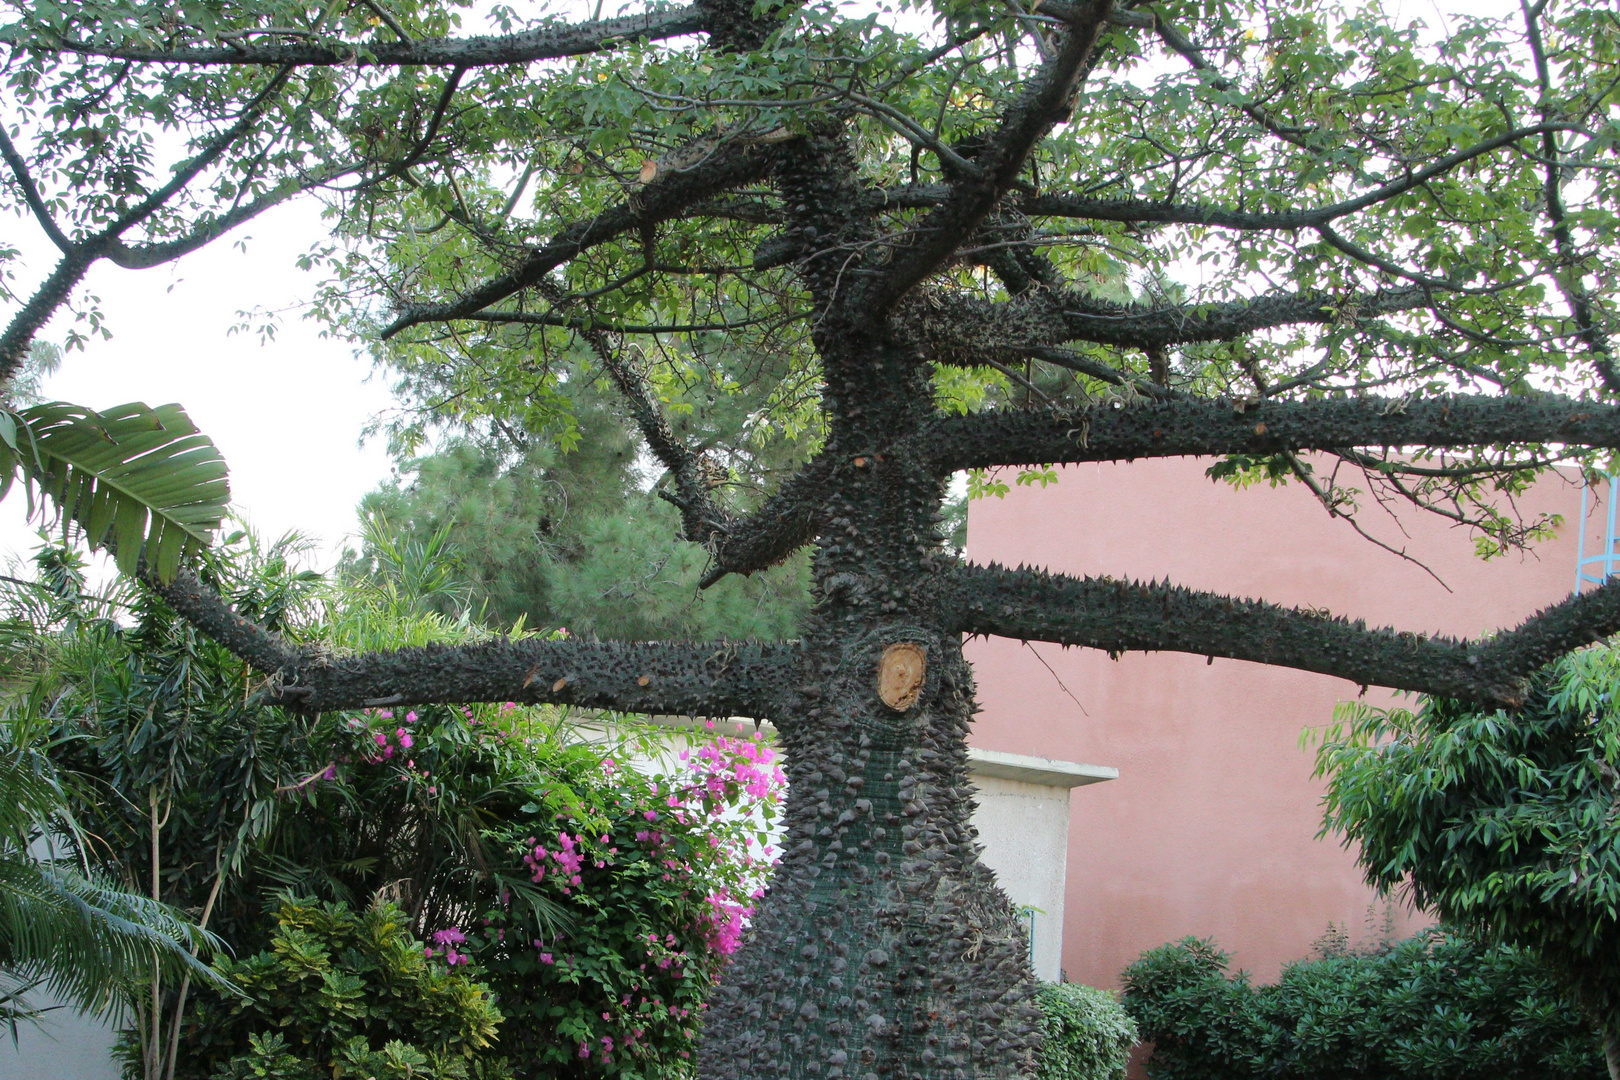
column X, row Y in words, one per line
column 342, row 993
column 1437, row 1006
column 1086, row 1034
column 143, row 482
column 66, row 927
column 1501, row 822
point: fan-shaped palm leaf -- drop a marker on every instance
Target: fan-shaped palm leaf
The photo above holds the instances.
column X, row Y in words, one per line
column 62, row 927
column 90, row 943
column 137, row 479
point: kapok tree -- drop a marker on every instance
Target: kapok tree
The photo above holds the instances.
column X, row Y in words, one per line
column 1312, row 244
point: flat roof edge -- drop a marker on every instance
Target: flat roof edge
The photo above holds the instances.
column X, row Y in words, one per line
column 1037, row 770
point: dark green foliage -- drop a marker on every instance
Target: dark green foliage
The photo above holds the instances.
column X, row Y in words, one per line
column 557, row 539
column 1086, row 1034
column 1500, row 822
column 1434, row 1006
column 64, row 928
column 563, row 525
column 345, row 992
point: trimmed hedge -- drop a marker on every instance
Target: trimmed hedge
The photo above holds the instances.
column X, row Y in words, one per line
column 1086, row 1033
column 1434, row 1006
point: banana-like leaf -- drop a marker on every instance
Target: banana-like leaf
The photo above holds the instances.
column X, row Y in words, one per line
column 137, row 479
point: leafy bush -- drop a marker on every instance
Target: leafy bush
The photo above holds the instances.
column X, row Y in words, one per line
column 1436, row 1006
column 1503, row 824
column 1086, row 1034
column 340, row 993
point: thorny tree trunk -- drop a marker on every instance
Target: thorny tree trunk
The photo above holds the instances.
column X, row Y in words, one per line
column 884, row 948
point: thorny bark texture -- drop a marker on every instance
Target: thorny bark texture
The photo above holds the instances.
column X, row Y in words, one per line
column 884, row 950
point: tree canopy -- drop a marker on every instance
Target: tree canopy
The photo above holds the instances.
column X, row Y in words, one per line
column 1324, row 244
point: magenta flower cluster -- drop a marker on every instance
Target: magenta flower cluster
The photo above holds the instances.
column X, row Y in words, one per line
column 444, row 945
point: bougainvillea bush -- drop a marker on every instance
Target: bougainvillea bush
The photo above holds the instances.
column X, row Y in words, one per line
column 597, row 884
column 474, row 822
column 656, row 877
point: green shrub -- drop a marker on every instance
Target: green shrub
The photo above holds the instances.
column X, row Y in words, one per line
column 1086, row 1033
column 344, row 994
column 1434, row 1006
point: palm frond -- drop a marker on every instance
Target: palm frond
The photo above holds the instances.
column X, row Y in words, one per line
column 88, row 942
column 137, row 479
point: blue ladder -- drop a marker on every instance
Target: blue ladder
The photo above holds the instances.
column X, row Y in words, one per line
column 1602, row 566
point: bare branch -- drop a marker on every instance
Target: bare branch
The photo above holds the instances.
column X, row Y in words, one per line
column 1179, row 44
column 1118, row 431
column 56, row 289
column 145, row 256
column 543, row 43
column 1148, row 212
column 670, row 195
column 579, row 322
column 1045, row 100
column 1121, row 616
column 702, row 520
column 31, row 195
column 1576, row 295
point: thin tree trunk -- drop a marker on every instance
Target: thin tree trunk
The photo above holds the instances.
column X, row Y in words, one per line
column 154, row 1049
column 185, row 981
column 1611, row 1053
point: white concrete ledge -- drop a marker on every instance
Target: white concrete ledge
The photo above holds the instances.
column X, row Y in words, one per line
column 1037, row 770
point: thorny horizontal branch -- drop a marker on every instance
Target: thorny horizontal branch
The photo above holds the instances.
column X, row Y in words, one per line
column 1117, row 431
column 1121, row 616
column 717, row 678
column 959, row 329
column 542, row 43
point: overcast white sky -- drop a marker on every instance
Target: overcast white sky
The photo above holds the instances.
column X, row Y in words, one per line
column 287, row 414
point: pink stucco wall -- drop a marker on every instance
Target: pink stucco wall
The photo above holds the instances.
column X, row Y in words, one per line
column 1210, row 829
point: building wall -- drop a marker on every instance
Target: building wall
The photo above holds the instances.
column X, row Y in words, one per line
column 64, row 1046
column 1024, row 829
column 1211, row 828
